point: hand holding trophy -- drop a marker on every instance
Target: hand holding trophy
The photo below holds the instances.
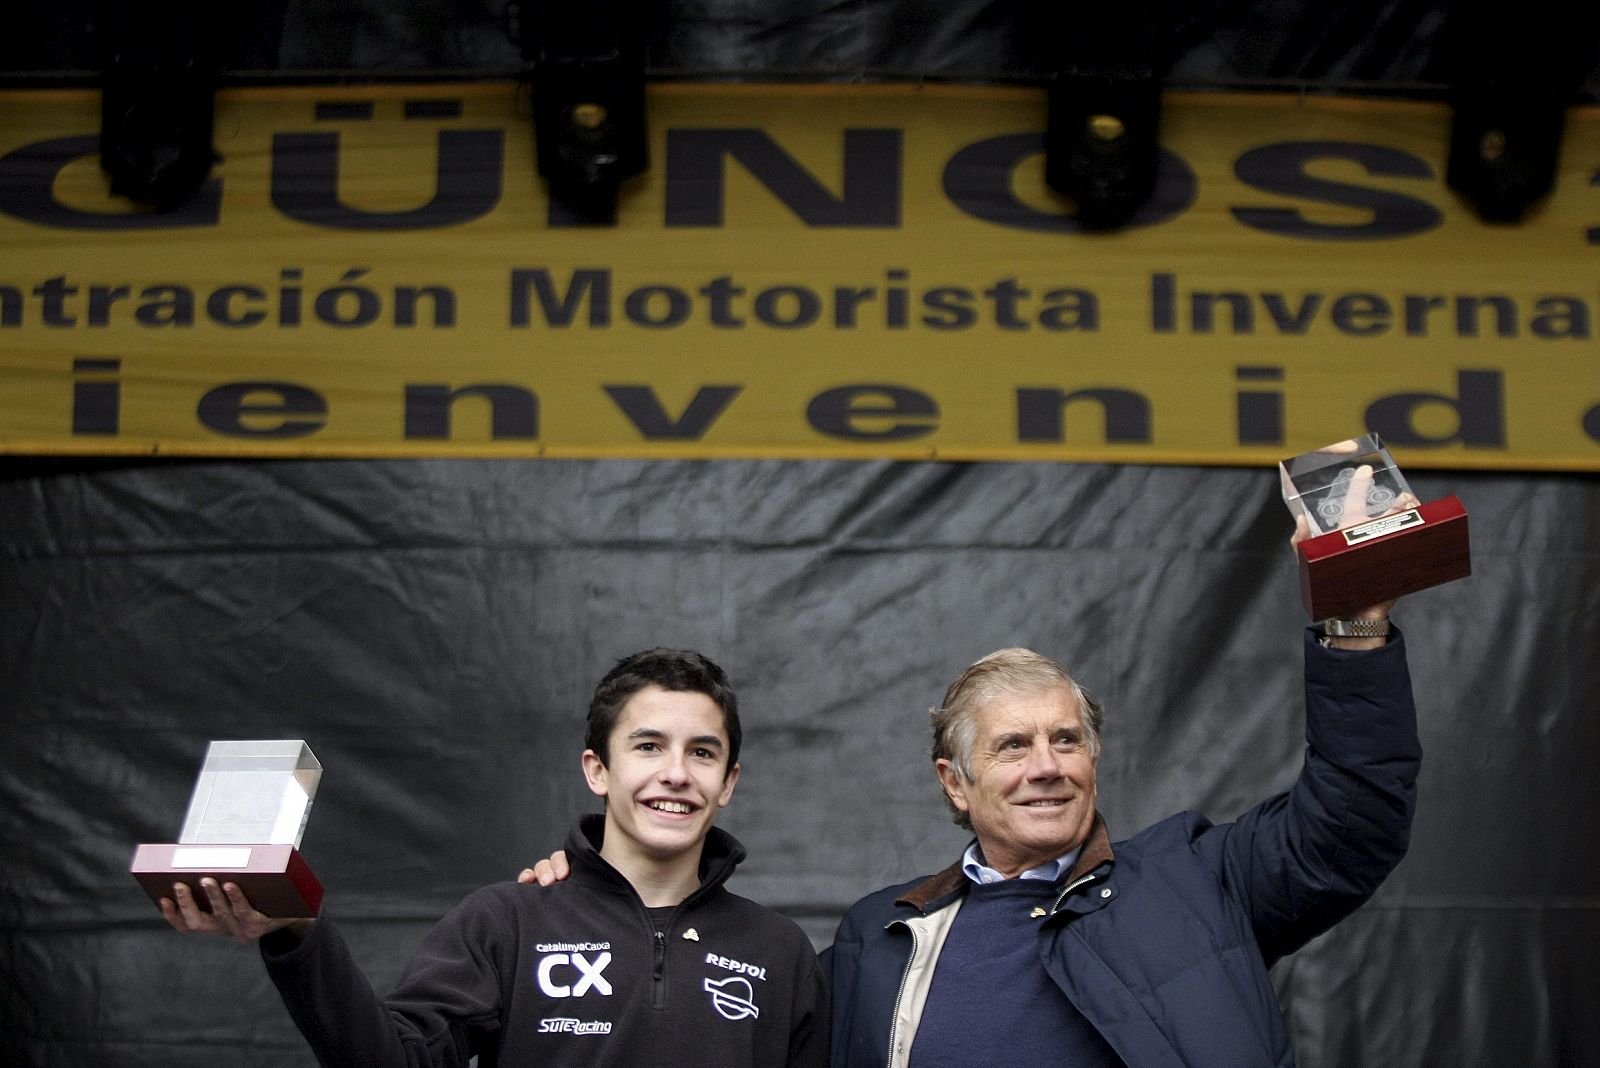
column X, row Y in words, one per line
column 1370, row 539
column 246, row 816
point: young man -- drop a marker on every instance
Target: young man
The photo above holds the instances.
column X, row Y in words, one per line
column 642, row 958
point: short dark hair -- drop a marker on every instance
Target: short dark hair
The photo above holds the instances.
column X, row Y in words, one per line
column 679, row 670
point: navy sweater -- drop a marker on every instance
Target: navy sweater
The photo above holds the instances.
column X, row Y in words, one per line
column 1014, row 1006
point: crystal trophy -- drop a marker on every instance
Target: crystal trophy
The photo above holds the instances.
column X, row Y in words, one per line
column 1371, row 539
column 245, row 819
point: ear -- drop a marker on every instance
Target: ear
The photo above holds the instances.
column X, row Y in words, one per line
column 594, row 773
column 728, row 783
column 955, row 788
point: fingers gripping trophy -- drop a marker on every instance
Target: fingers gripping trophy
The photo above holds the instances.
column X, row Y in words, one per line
column 1362, row 536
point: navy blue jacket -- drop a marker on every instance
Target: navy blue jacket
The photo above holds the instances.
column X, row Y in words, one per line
column 1163, row 941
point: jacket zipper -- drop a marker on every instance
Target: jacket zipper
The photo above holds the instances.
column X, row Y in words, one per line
column 1070, row 887
column 658, row 942
column 894, row 1018
column 658, row 993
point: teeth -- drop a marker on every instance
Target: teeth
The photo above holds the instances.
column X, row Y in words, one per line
column 670, row 806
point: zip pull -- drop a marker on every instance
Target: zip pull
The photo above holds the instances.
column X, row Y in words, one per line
column 1081, row 880
column 658, row 985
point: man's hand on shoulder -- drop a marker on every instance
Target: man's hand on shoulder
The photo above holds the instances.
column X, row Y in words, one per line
column 553, row 869
column 231, row 914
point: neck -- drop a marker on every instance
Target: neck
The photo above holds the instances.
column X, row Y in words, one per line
column 659, row 882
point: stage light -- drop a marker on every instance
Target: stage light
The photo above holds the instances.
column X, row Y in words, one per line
column 156, row 103
column 1101, row 146
column 588, row 81
column 1104, row 108
column 1513, row 73
column 1503, row 153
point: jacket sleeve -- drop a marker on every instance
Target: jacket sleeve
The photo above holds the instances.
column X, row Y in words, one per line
column 444, row 1008
column 809, row 1038
column 839, row 963
column 1300, row 862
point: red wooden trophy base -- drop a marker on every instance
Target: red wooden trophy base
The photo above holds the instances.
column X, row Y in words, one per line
column 1381, row 559
column 275, row 878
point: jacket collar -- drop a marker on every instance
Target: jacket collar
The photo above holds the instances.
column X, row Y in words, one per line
column 1096, row 851
column 937, row 891
column 718, row 858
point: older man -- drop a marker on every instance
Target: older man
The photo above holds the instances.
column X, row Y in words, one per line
column 1049, row 941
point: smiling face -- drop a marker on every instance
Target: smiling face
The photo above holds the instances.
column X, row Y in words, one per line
column 1032, row 793
column 664, row 778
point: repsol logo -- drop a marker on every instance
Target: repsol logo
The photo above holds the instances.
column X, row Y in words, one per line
column 755, row 971
column 572, row 975
column 977, row 178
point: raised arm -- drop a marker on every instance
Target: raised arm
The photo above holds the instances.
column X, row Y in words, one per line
column 1303, row 860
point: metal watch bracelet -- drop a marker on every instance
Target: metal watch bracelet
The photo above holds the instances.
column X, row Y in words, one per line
column 1355, row 628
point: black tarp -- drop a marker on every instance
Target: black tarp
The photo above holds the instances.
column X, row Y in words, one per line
column 434, row 628
column 1363, row 46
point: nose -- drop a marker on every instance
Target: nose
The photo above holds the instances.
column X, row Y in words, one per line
column 1043, row 763
column 675, row 769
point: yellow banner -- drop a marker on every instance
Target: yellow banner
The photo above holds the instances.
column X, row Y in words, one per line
column 804, row 271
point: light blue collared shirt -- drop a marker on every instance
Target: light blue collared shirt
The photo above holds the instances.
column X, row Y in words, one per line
column 979, row 872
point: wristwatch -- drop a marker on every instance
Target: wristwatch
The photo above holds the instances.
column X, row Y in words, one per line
column 1355, row 628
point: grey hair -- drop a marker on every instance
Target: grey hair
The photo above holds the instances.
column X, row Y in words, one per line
column 1005, row 671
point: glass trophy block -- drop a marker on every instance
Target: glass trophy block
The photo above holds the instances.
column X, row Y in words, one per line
column 1323, row 487
column 1369, row 540
column 252, row 791
column 243, row 827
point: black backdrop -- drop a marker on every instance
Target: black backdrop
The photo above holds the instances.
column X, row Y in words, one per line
column 434, row 628
column 1407, row 47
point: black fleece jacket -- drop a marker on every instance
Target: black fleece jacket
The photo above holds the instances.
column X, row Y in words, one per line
column 574, row 974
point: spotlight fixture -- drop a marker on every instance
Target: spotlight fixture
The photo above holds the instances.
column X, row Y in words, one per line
column 157, row 99
column 1104, row 118
column 1513, row 74
column 588, row 82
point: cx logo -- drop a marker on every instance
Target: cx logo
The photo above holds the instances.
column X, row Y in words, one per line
column 588, row 978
